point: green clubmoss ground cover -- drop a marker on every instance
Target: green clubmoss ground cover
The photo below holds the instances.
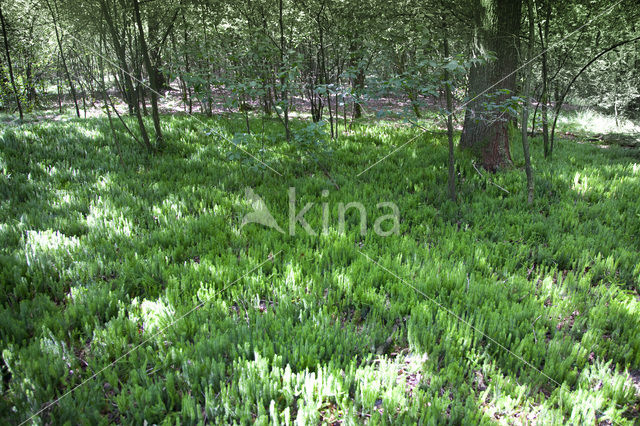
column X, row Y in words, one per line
column 129, row 291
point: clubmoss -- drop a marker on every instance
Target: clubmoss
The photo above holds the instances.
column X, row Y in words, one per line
column 100, row 252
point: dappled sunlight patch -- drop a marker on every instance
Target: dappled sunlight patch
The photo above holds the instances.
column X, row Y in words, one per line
column 50, row 364
column 580, row 184
column 155, row 315
column 293, row 276
column 65, row 198
column 104, row 182
column 388, row 384
column 203, row 153
column 49, row 242
column 508, row 402
column 517, row 403
column 89, row 133
column 588, row 120
column 343, row 281
column 171, row 209
column 555, row 283
column 597, row 384
column 301, row 396
column 104, row 217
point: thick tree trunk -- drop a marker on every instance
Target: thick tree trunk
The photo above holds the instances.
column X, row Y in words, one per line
column 485, row 131
column 357, row 82
column 452, row 160
column 525, row 106
column 358, row 87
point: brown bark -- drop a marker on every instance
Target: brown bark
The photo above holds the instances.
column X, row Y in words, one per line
column 131, row 94
column 544, row 97
column 151, row 71
column 358, row 87
column 64, row 61
column 6, row 47
column 486, row 132
column 284, row 93
column 449, row 97
column 525, row 106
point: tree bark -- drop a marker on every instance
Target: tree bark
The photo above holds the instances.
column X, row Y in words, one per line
column 452, row 160
column 525, row 106
column 544, row 97
column 357, row 83
column 30, row 86
column 64, row 61
column 6, row 48
column 130, row 93
column 283, row 81
column 153, row 77
column 187, row 88
column 486, row 132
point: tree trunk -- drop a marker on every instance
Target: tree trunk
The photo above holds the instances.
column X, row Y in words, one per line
column 525, row 106
column 6, row 48
column 32, row 95
column 151, row 71
column 131, row 94
column 358, row 88
column 544, row 98
column 357, row 84
column 486, row 132
column 59, row 86
column 415, row 105
column 447, row 89
column 283, row 81
column 187, row 88
column 325, row 73
column 64, row 61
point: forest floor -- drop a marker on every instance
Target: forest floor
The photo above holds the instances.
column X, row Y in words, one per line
column 130, row 289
